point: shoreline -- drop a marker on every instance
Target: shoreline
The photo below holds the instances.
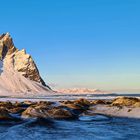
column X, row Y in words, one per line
column 64, row 97
column 119, row 107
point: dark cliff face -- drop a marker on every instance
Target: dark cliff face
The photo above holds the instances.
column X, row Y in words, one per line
column 22, row 62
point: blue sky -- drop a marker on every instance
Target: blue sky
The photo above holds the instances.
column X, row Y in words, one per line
column 79, row 43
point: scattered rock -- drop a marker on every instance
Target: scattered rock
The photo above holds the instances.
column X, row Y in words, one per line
column 64, row 110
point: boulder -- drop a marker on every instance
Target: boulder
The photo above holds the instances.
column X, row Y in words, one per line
column 24, row 104
column 137, row 104
column 95, row 102
column 60, row 113
column 16, row 110
column 47, row 112
column 7, row 105
column 82, row 104
column 4, row 114
column 35, row 112
column 126, row 101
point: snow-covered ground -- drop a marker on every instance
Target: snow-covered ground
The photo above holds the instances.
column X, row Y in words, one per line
column 12, row 83
column 129, row 112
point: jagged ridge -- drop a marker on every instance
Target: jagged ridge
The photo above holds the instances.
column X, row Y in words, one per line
column 23, row 62
column 18, row 61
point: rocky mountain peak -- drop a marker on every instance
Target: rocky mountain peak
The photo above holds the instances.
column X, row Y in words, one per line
column 19, row 59
column 6, row 45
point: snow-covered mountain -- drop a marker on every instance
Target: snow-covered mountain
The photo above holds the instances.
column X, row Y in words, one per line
column 18, row 71
column 79, row 91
